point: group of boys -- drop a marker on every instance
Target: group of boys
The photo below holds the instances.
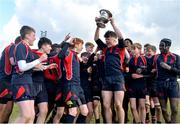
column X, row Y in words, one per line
column 54, row 79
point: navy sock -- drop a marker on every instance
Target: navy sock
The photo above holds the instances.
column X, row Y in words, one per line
column 63, row 118
column 147, row 116
column 97, row 120
column 152, row 111
column 81, row 119
column 69, row 119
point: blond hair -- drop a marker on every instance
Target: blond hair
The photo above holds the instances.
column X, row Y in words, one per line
column 137, row 45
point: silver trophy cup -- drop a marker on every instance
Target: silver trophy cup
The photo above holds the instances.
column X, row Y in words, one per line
column 104, row 18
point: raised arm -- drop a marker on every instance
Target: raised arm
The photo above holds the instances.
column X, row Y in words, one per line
column 90, row 60
column 96, row 36
column 127, row 56
column 100, row 44
column 118, row 33
column 65, row 46
column 116, row 29
column 62, row 53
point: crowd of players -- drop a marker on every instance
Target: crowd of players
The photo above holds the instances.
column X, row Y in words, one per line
column 54, row 84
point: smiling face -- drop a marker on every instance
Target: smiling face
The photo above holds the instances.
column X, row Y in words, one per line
column 110, row 41
column 30, row 37
column 110, row 38
column 79, row 47
column 89, row 49
column 150, row 52
column 163, row 48
column 46, row 48
column 135, row 51
column 128, row 45
column 84, row 59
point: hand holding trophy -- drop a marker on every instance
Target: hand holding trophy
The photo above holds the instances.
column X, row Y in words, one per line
column 105, row 15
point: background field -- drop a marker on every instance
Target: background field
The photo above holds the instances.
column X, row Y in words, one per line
column 16, row 112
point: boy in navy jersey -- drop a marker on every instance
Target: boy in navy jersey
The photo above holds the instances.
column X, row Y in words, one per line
column 22, row 84
column 137, row 86
column 73, row 93
column 88, row 93
column 60, row 105
column 152, row 101
column 53, row 81
column 86, row 81
column 97, row 81
column 113, row 84
column 167, row 66
column 128, row 44
column 41, row 99
column 6, row 66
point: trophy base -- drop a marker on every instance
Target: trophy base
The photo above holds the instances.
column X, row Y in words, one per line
column 101, row 25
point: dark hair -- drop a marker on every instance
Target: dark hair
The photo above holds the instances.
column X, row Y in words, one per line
column 146, row 45
column 26, row 30
column 43, row 41
column 166, row 41
column 110, row 34
column 128, row 39
column 89, row 44
column 17, row 40
column 86, row 54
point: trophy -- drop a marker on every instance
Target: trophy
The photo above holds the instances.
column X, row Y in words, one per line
column 141, row 70
column 104, row 18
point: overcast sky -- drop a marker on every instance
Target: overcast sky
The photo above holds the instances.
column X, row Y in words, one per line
column 144, row 21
